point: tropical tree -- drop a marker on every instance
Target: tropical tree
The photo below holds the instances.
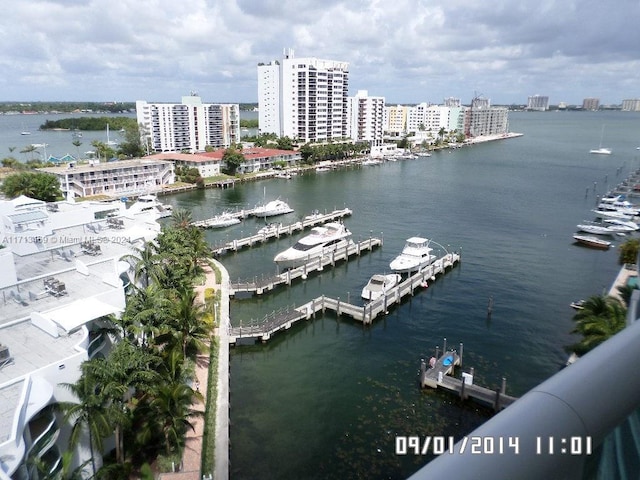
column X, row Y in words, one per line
column 232, row 159
column 127, row 373
column 629, row 251
column 76, row 143
column 181, row 218
column 40, row 185
column 87, row 416
column 29, row 149
column 172, row 410
column 602, row 317
column 187, row 326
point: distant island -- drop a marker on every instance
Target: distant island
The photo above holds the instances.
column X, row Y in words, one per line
column 81, row 107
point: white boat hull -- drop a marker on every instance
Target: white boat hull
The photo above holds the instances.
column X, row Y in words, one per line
column 379, row 285
column 292, row 259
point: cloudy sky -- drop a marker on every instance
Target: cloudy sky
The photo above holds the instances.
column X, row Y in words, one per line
column 408, row 51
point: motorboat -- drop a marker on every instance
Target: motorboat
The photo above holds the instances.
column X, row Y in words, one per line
column 219, row 221
column 272, row 208
column 591, row 241
column 596, row 229
column 622, row 225
column 149, row 204
column 313, row 216
column 270, row 229
column 320, row 241
column 612, row 214
column 378, row 285
column 618, row 204
column 415, row 255
column 578, row 304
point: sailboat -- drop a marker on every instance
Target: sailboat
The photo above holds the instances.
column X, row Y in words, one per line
column 601, row 150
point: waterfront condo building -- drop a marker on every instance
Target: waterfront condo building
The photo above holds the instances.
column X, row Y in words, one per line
column 62, row 277
column 432, row 118
column 305, row 99
column 538, row 103
column 189, row 126
column 395, row 119
column 591, row 104
column 631, row 105
column 481, row 119
column 366, row 118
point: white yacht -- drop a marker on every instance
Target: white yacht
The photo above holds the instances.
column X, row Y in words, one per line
column 320, row 241
column 378, row 285
column 596, row 229
column 415, row 255
column 149, row 204
column 272, row 208
column 223, row 220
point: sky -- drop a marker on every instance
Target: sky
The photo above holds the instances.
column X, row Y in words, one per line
column 408, row 51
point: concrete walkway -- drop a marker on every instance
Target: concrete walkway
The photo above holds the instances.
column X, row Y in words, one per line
column 191, row 459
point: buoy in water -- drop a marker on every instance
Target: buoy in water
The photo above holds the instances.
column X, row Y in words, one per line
column 424, row 285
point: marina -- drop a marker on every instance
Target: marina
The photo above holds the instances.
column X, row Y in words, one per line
column 365, row 314
column 277, row 232
column 318, row 264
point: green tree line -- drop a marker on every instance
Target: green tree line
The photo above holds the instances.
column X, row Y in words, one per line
column 142, row 393
column 91, row 123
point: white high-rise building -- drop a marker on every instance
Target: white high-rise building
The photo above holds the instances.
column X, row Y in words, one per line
column 188, row 126
column 432, row 118
column 366, row 118
column 304, row 98
column 538, row 102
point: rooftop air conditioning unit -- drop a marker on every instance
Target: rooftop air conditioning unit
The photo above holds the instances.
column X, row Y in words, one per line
column 4, row 353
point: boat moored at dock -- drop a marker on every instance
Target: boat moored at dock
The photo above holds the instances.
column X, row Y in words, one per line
column 272, row 208
column 320, row 241
column 415, row 255
column 591, row 241
column 379, row 284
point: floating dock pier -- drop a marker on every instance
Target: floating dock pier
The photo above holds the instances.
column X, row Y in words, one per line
column 283, row 320
column 278, row 231
column 317, row 264
column 438, row 374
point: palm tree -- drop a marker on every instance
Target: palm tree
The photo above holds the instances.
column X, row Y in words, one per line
column 171, row 406
column 181, row 218
column 77, row 143
column 187, row 326
column 601, row 318
column 86, row 416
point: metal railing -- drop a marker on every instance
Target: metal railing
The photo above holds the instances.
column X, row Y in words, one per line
column 546, row 433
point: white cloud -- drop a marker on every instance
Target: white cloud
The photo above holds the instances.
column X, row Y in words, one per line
column 406, row 50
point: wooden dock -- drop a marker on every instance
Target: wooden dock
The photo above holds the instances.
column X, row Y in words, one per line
column 438, row 373
column 283, row 320
column 276, row 232
column 318, row 264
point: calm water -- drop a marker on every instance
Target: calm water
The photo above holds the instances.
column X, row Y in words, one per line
column 327, row 398
column 59, row 143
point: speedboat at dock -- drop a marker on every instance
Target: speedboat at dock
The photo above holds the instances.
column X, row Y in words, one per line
column 378, row 285
column 591, row 241
column 219, row 221
column 415, row 255
column 272, row 208
column 321, row 241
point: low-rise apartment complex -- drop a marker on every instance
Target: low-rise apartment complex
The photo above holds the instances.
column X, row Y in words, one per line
column 123, row 177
